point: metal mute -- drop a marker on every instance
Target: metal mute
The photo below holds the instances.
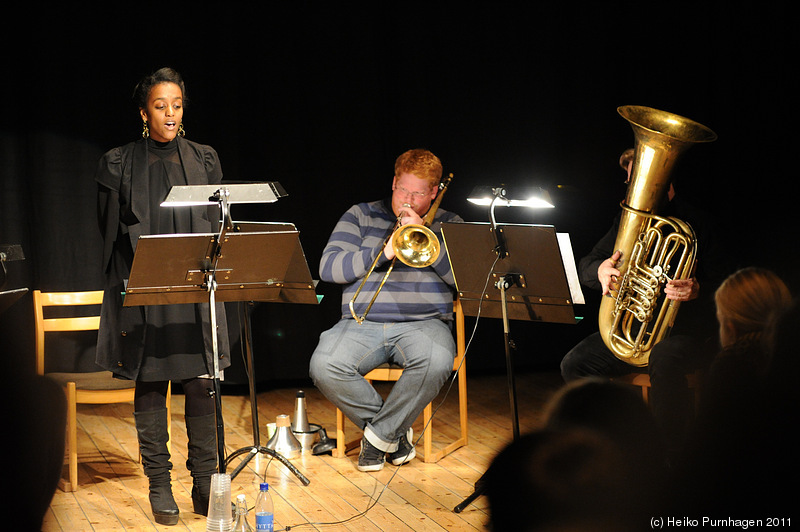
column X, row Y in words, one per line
column 300, row 418
column 284, row 441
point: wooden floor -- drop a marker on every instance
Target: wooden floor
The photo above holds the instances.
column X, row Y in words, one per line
column 113, row 492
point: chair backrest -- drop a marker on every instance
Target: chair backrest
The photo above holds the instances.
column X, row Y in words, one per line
column 42, row 300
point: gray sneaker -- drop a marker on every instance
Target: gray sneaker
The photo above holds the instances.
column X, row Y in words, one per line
column 405, row 451
column 370, row 458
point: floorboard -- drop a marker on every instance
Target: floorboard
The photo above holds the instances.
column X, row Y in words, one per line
column 113, row 491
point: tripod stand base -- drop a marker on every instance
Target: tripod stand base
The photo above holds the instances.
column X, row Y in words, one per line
column 253, row 450
column 479, row 489
column 466, row 502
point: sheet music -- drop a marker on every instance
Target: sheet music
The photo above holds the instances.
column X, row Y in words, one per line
column 565, row 245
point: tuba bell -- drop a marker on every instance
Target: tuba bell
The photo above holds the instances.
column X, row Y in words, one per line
column 654, row 249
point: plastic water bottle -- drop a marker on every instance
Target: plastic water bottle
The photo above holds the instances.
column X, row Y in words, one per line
column 241, row 524
column 264, row 510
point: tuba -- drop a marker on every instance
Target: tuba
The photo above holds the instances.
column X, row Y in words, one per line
column 414, row 244
column 654, row 249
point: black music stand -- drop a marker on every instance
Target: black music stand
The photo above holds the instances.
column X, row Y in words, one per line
column 529, row 281
column 9, row 253
column 9, row 297
column 211, row 268
column 298, row 287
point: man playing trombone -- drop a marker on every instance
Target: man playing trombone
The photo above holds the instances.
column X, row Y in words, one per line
column 406, row 314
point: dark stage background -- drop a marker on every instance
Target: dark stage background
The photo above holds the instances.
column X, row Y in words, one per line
column 323, row 100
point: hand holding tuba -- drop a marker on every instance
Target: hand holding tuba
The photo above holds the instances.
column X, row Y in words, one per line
column 654, row 251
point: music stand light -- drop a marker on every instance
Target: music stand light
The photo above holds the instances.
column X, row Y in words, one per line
column 491, row 196
column 534, row 197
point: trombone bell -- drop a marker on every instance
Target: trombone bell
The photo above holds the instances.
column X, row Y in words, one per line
column 415, row 245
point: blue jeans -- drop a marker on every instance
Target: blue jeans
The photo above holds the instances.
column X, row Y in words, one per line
column 348, row 351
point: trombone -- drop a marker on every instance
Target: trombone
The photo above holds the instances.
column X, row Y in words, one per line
column 414, row 244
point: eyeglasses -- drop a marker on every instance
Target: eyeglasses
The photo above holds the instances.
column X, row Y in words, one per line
column 415, row 195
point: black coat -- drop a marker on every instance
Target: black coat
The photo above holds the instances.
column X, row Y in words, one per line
column 124, row 215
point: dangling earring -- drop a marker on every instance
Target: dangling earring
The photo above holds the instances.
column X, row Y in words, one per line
column 181, row 131
column 145, row 131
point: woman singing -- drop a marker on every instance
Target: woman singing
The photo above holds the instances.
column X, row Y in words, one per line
column 156, row 344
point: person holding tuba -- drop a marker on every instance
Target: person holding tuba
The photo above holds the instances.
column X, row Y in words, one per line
column 409, row 323
column 677, row 355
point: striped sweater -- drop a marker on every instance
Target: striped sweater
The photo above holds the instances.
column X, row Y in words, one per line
column 409, row 294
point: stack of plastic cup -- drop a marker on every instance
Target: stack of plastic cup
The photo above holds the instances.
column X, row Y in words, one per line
column 219, row 504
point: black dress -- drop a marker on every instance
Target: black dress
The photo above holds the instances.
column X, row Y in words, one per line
column 154, row 342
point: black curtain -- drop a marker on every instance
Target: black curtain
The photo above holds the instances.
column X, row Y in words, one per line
column 322, row 100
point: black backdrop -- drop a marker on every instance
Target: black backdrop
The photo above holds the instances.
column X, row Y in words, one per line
column 323, row 99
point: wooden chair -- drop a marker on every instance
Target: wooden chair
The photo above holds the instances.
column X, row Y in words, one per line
column 389, row 372
column 98, row 387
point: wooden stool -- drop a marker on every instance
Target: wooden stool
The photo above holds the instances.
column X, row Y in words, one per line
column 642, row 380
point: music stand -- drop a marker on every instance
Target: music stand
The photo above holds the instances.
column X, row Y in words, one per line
column 9, row 297
column 530, row 281
column 9, row 253
column 224, row 267
column 298, row 287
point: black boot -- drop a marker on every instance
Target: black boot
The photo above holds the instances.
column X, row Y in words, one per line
column 201, row 458
column 152, row 429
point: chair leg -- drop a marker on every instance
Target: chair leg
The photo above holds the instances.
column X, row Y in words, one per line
column 339, row 452
column 429, row 456
column 71, row 484
column 462, row 405
column 427, row 437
